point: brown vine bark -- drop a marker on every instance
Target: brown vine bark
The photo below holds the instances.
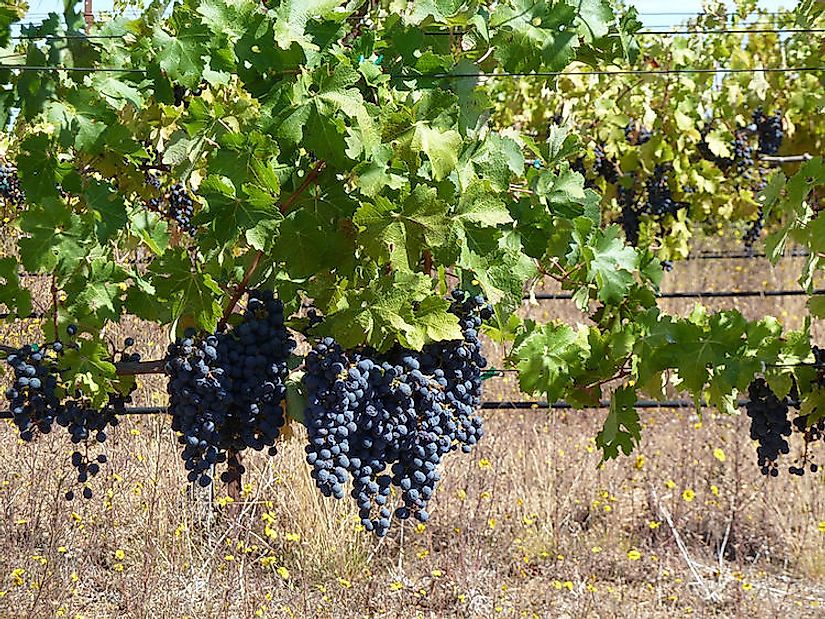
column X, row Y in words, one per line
column 284, row 208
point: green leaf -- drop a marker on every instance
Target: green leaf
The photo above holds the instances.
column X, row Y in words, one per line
column 17, row 300
column 441, row 147
column 622, row 429
column 548, row 357
column 398, row 307
column 88, row 368
column 188, row 291
column 610, row 264
column 534, row 36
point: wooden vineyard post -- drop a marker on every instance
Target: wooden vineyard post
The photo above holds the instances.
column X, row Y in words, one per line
column 88, row 14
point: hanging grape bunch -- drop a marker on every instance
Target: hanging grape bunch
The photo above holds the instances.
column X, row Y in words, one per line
column 660, row 200
column 771, row 428
column 37, row 400
column 635, row 134
column 11, row 196
column 226, row 389
column 384, row 420
column 769, row 130
column 175, row 205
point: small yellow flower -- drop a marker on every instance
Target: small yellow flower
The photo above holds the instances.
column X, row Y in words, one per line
column 484, row 463
column 228, row 558
column 396, row 585
column 746, row 586
column 640, row 463
column 634, row 555
column 821, row 526
column 293, row 537
column 436, row 573
column 17, row 576
column 120, row 555
column 267, row 561
column 654, row 524
column 118, row 567
column 420, row 527
column 491, row 523
column 688, row 495
column 283, row 573
column 670, row 484
column 596, row 549
column 62, row 549
column 461, row 494
column 346, row 584
column 719, row 454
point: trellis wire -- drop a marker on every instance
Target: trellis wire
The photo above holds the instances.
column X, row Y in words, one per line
column 695, row 294
column 489, row 405
column 447, row 76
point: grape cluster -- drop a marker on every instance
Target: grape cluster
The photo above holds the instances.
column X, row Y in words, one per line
column 812, row 430
column 226, row 389
column 385, row 420
column 660, row 200
column 754, row 230
column 10, row 190
column 769, row 130
column 33, row 396
column 629, row 219
column 36, row 404
column 636, row 135
column 176, row 204
column 604, row 166
column 743, row 151
column 769, row 425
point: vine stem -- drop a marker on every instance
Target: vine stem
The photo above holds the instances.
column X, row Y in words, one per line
column 256, row 261
column 54, row 303
column 428, row 262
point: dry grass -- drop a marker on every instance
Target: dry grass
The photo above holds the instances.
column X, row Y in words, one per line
column 526, row 526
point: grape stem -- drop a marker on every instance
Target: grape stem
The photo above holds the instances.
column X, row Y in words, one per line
column 284, row 208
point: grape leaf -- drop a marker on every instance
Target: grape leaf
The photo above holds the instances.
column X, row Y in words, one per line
column 622, row 429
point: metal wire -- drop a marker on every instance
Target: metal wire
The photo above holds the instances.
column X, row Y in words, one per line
column 695, row 294
column 45, row 69
column 497, row 405
column 616, row 72
column 61, row 37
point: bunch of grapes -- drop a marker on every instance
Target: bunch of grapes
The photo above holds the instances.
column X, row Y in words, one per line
column 604, row 166
column 226, row 389
column 769, row 425
column 386, row 420
column 769, row 130
column 175, row 205
column 36, row 402
column 754, row 231
column 660, row 200
column 636, row 135
column 743, row 151
column 629, row 219
column 181, row 207
column 33, row 396
column 10, row 191
column 812, row 430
